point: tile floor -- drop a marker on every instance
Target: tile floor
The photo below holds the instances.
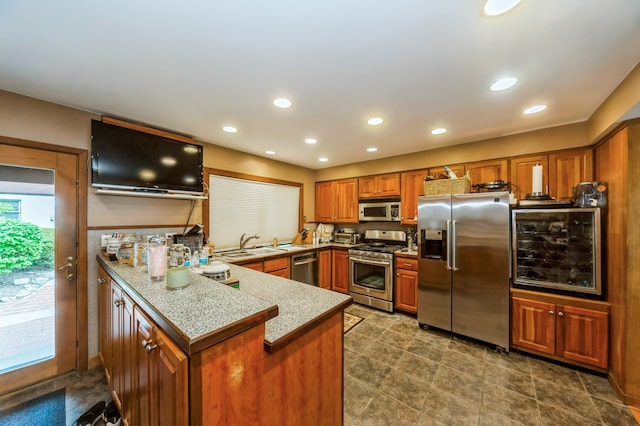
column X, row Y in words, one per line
column 399, row 374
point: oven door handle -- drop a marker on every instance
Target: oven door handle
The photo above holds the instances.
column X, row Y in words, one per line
column 370, row 262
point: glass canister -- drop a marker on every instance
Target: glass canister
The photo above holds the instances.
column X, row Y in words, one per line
column 178, row 272
column 157, row 260
column 141, row 254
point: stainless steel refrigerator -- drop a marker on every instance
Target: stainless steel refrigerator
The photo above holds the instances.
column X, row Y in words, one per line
column 464, row 265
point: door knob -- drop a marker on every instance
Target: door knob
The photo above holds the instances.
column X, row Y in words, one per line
column 69, row 268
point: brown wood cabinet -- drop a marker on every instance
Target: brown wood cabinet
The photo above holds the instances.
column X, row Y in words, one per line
column 560, row 171
column 147, row 382
column 487, row 171
column 340, row 270
column 565, row 328
column 121, row 385
column 160, row 372
column 406, row 284
column 279, row 267
column 522, row 173
column 412, row 187
column 616, row 162
column 324, row 269
column 379, row 186
column 567, row 168
column 337, row 201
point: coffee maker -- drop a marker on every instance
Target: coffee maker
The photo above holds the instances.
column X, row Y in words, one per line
column 590, row 194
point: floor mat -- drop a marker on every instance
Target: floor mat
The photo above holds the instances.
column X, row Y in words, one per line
column 351, row 321
column 47, row 409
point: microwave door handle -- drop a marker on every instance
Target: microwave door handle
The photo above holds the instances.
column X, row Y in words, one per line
column 454, row 240
column 448, row 254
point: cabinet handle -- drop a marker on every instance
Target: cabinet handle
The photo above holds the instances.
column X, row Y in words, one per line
column 101, row 281
column 560, row 314
column 148, row 345
column 118, row 302
column 551, row 313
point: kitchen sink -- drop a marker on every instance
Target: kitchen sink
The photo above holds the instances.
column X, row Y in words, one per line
column 264, row 251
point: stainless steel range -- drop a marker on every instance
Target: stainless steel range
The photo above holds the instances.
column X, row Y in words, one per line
column 371, row 268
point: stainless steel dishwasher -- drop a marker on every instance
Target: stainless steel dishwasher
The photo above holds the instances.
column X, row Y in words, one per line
column 305, row 268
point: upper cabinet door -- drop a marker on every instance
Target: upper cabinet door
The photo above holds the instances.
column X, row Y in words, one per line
column 325, row 201
column 567, row 168
column 522, row 174
column 487, row 171
column 412, row 188
column 346, row 204
column 379, row 186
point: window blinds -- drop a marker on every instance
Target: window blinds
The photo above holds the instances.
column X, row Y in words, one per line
column 239, row 206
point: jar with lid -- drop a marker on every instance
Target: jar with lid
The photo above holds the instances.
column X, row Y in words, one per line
column 157, row 264
column 178, row 272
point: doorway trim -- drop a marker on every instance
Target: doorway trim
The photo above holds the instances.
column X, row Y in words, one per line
column 82, row 340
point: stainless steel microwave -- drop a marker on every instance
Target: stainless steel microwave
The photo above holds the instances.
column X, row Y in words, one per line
column 380, row 211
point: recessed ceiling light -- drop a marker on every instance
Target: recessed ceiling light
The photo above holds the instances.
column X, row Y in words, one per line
column 270, row 152
column 439, row 131
column 229, row 129
column 534, row 109
column 498, row 7
column 282, row 103
column 375, row 121
column 323, row 159
column 372, row 149
column 310, row 141
column 503, row 83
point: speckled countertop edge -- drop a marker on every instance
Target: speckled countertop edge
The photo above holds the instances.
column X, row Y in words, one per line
column 207, row 306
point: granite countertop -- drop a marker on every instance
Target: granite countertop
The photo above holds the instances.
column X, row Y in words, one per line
column 206, row 312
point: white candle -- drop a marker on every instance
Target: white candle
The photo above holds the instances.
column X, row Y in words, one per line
column 537, row 179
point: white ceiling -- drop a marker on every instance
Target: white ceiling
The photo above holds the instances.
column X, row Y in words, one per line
column 194, row 66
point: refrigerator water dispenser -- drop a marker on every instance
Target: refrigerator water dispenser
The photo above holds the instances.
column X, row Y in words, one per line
column 434, row 244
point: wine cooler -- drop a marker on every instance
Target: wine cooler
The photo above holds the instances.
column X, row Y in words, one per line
column 558, row 250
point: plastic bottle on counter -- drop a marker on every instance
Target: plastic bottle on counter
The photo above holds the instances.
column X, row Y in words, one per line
column 275, row 241
column 314, row 238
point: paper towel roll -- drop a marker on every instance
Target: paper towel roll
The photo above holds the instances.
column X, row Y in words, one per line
column 537, row 179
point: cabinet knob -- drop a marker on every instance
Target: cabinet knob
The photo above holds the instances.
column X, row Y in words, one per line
column 101, row 281
column 551, row 313
column 118, row 302
column 560, row 314
column 148, row 345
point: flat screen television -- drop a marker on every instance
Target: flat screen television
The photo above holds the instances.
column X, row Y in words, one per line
column 127, row 159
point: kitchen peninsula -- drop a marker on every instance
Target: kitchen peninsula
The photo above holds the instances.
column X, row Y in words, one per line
column 269, row 353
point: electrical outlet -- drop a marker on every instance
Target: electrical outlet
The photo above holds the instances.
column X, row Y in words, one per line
column 169, row 235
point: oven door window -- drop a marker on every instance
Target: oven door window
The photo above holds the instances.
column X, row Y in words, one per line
column 369, row 276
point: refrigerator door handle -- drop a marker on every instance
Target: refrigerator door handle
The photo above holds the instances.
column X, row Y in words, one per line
column 448, row 245
column 454, row 243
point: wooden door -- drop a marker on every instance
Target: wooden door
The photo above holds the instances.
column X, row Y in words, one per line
column 104, row 321
column 568, row 168
column 487, row 171
column 346, row 204
column 583, row 335
column 325, row 201
column 324, row 269
column 171, row 384
column 368, row 187
column 412, row 187
column 389, row 185
column 41, row 338
column 522, row 174
column 533, row 325
column 122, row 348
column 406, row 290
column 340, row 270
column 161, row 380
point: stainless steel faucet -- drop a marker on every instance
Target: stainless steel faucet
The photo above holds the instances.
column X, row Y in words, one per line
column 243, row 241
